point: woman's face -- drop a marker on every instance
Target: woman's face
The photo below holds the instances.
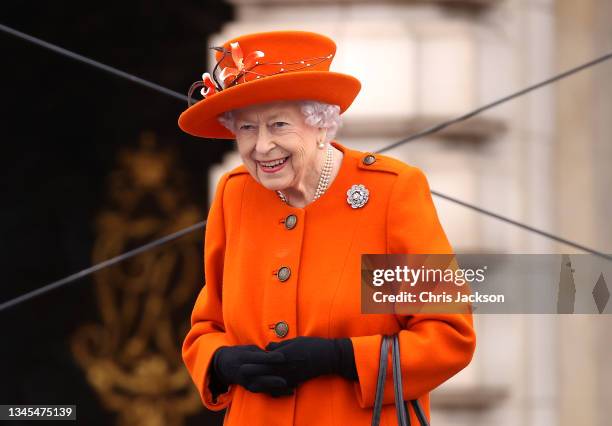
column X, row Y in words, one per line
column 276, row 131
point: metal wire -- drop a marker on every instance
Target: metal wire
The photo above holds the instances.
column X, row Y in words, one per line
column 438, row 127
column 199, row 225
column 59, row 283
column 83, row 59
column 522, row 225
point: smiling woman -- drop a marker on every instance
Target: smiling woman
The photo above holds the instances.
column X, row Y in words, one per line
column 277, row 334
column 278, row 144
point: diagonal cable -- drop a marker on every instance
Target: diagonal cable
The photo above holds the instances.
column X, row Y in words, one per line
column 101, row 265
column 522, row 225
column 80, row 58
column 415, row 136
column 438, row 127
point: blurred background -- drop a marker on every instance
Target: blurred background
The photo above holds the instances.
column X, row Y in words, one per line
column 94, row 165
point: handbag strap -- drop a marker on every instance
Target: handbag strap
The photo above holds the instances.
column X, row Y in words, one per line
column 401, row 409
column 380, row 383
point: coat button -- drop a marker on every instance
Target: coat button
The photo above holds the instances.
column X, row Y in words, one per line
column 369, row 159
column 290, row 221
column 283, row 273
column 281, row 328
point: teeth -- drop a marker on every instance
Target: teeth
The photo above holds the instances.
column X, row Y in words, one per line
column 273, row 163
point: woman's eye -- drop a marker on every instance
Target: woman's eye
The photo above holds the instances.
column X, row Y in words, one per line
column 246, row 127
column 280, row 124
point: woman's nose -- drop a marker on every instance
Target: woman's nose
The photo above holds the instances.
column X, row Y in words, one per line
column 264, row 140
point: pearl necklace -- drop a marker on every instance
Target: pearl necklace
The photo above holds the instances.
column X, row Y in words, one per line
column 323, row 180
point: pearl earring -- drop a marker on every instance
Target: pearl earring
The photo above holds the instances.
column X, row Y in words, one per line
column 321, row 144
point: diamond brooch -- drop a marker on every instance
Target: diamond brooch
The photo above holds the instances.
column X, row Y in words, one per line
column 357, row 196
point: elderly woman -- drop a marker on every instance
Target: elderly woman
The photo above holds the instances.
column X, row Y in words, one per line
column 277, row 334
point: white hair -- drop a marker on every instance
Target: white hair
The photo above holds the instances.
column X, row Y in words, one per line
column 317, row 114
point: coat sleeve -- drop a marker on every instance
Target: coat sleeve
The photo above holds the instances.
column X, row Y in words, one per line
column 433, row 347
column 207, row 332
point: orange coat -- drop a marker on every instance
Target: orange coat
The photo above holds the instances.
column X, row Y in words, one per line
column 247, row 242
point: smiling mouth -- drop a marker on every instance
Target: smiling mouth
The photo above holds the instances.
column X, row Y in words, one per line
column 273, row 164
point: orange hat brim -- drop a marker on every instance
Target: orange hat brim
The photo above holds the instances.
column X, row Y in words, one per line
column 326, row 86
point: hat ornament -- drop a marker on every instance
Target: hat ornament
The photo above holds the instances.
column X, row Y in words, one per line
column 210, row 84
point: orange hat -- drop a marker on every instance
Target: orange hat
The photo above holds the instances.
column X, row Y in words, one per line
column 267, row 67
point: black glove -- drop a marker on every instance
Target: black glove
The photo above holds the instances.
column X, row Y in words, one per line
column 250, row 367
column 308, row 357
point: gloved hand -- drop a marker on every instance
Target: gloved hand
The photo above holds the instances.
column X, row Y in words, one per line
column 309, row 357
column 250, row 367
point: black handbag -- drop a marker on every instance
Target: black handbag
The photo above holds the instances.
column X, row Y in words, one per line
column 401, row 407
